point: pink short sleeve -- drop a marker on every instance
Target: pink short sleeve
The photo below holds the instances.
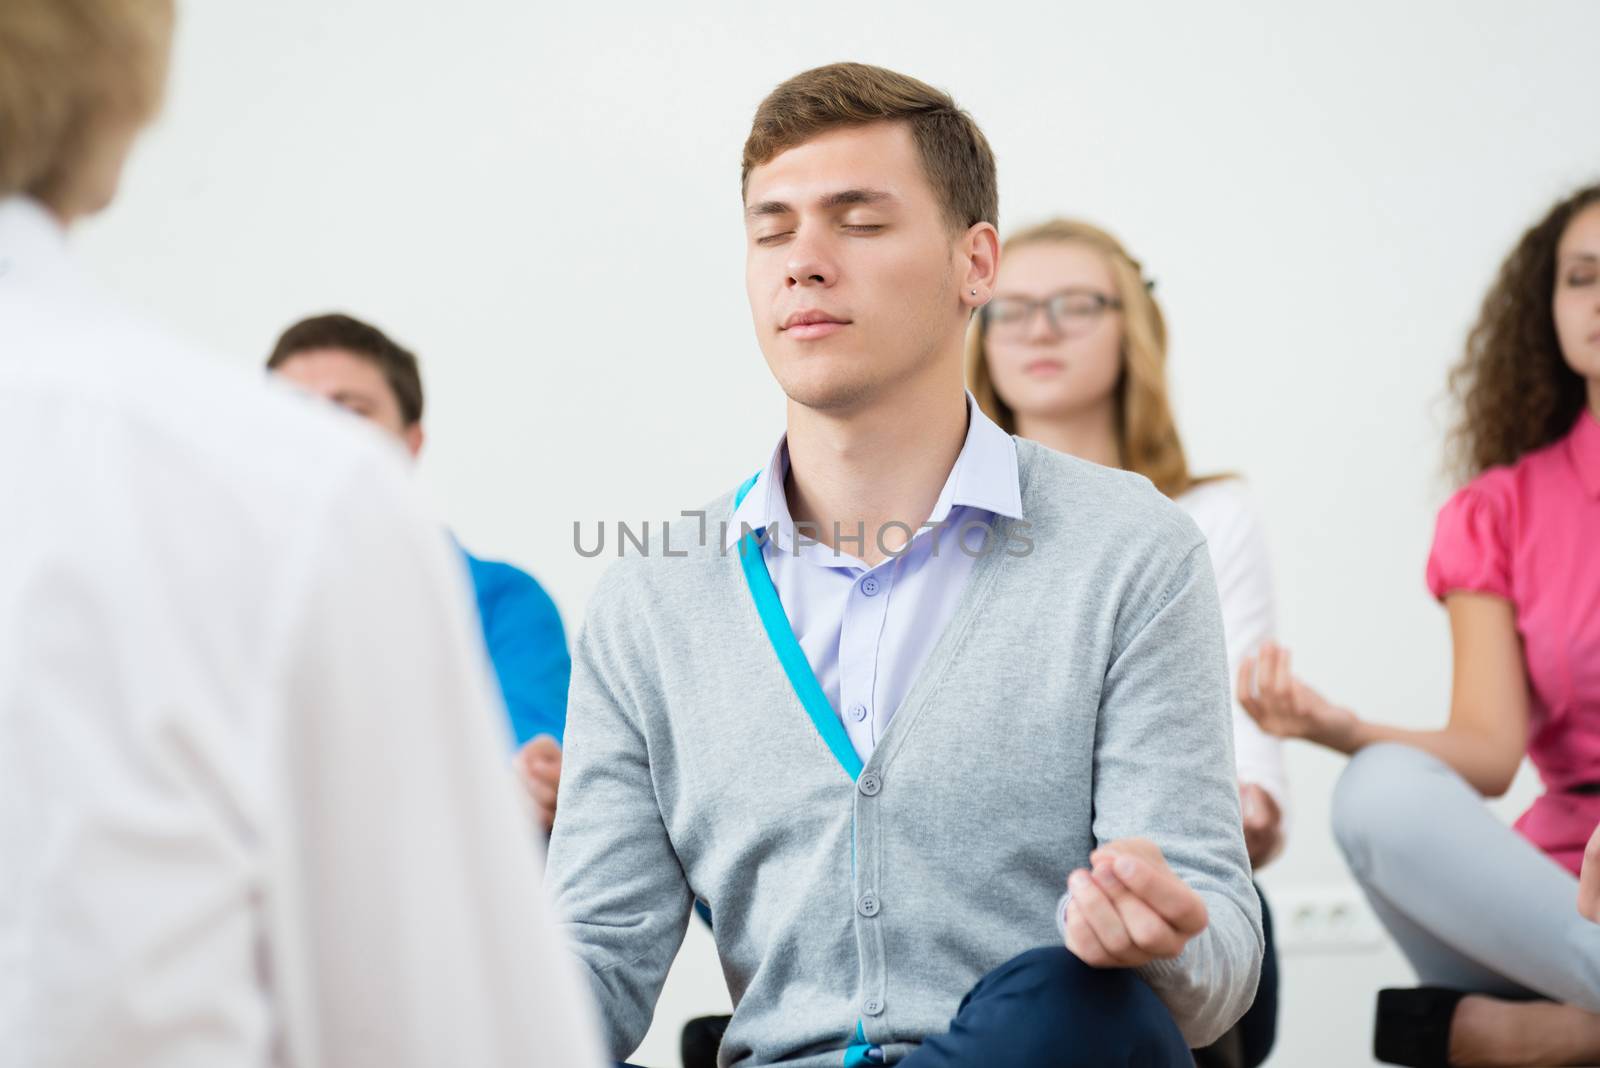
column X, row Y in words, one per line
column 1471, row 547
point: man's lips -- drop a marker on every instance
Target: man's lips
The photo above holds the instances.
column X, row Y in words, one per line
column 808, row 331
column 812, row 324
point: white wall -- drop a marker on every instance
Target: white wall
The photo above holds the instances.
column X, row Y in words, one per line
column 543, row 202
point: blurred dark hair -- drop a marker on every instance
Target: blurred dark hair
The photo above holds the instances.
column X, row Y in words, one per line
column 336, row 331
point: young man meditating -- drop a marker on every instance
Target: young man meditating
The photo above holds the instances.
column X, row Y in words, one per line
column 940, row 729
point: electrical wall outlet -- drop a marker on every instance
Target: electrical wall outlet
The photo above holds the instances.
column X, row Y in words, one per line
column 1332, row 918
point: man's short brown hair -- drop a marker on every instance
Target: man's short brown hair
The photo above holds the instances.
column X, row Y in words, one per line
column 361, row 339
column 955, row 155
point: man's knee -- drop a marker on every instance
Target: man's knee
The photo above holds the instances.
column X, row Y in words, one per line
column 1375, row 804
column 1063, row 1012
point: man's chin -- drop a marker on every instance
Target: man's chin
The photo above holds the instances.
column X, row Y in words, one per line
column 832, row 393
column 820, row 375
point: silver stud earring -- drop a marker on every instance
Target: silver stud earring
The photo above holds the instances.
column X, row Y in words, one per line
column 974, row 292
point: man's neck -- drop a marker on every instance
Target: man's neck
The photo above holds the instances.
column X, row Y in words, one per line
column 883, row 463
column 1089, row 435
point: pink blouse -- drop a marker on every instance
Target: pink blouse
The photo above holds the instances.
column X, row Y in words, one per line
column 1530, row 533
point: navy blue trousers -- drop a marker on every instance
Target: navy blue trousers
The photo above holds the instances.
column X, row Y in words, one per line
column 1259, row 1028
column 1047, row 1009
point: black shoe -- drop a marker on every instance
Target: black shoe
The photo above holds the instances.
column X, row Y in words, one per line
column 702, row 1036
column 1413, row 1026
column 1225, row 1052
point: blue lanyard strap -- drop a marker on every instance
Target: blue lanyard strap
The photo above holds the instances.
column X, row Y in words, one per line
column 793, row 659
column 860, row 1051
column 806, row 687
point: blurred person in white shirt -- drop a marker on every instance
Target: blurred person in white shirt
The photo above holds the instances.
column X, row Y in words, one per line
column 243, row 820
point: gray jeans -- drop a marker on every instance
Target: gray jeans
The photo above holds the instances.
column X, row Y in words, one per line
column 1472, row 904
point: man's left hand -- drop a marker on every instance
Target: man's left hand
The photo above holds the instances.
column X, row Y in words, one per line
column 1131, row 908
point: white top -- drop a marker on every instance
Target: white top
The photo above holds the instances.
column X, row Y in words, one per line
column 867, row 631
column 1226, row 515
column 253, row 807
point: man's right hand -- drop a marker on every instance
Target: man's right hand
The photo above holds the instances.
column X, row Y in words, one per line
column 539, row 767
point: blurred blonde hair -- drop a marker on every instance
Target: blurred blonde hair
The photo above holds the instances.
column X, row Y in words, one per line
column 1147, row 435
column 67, row 68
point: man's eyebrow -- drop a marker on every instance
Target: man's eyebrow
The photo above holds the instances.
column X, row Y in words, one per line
column 847, row 197
column 842, row 199
column 766, row 208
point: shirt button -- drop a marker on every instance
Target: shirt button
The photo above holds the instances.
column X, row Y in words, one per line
column 869, row 585
column 872, row 1007
column 868, row 905
column 858, row 711
column 870, row 784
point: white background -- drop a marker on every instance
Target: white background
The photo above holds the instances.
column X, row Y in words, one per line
column 543, row 202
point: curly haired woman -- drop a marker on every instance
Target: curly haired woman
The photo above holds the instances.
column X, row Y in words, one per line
column 1484, row 912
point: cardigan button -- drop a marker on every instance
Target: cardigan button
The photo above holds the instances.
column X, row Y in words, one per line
column 870, row 784
column 868, row 906
column 872, row 1007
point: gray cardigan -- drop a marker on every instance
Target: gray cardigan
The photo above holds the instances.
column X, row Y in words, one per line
column 1079, row 694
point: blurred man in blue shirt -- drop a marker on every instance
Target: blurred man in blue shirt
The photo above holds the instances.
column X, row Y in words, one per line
column 356, row 366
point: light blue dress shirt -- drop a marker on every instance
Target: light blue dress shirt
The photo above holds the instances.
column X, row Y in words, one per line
column 866, row 631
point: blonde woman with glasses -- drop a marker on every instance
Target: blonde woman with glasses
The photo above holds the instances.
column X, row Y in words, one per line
column 1071, row 353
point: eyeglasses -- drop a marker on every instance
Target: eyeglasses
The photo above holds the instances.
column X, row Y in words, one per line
column 1069, row 312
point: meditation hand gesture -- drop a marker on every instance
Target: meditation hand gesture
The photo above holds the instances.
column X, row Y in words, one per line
column 1131, row 909
column 1288, row 708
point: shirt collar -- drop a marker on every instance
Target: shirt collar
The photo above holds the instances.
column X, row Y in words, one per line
column 984, row 476
column 1584, row 446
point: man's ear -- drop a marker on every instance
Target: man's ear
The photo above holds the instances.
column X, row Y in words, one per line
column 412, row 435
column 980, row 251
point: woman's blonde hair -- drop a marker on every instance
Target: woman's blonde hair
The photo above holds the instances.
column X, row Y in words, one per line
column 1147, row 435
column 66, row 68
